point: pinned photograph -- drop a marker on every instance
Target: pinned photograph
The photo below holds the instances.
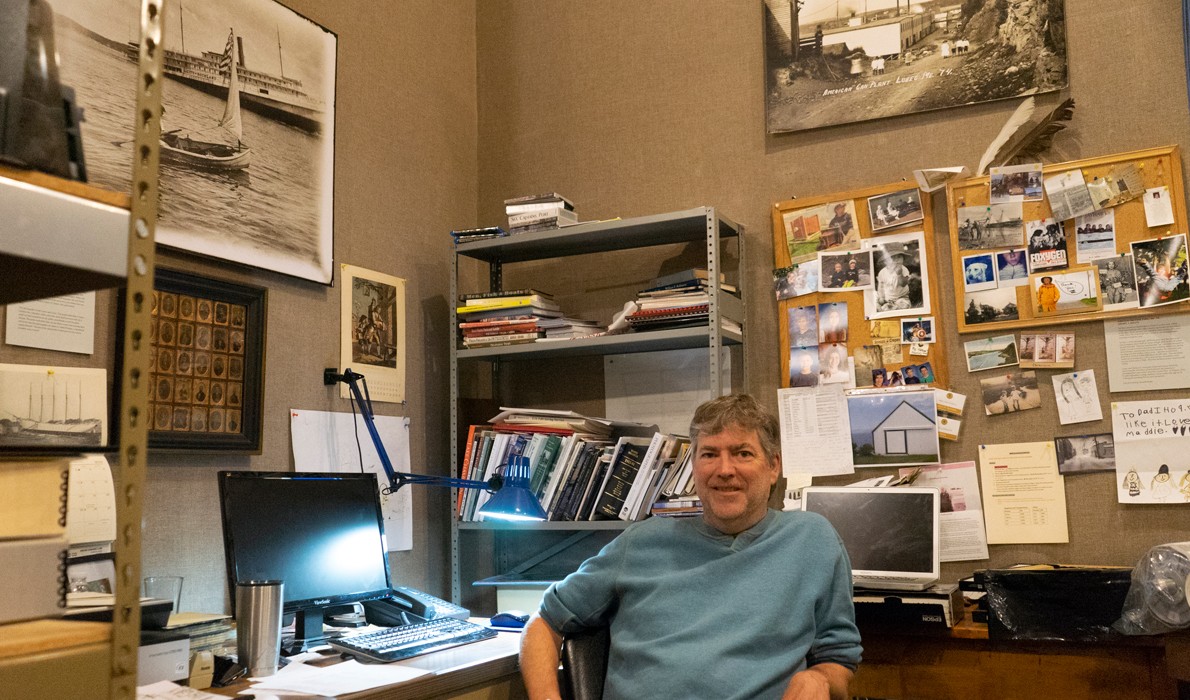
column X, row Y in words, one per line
column 832, row 364
column 991, row 353
column 1068, row 195
column 1012, row 270
column 990, row 305
column 1122, row 184
column 1047, row 245
column 926, row 371
column 1160, row 268
column 1079, row 454
column 918, row 330
column 803, row 326
column 1077, row 397
column 1073, row 291
column 894, row 378
column 49, row 407
column 1158, row 207
column 832, row 322
column 901, row 277
column 894, row 428
column 867, row 359
column 1117, row 284
column 845, row 271
column 1095, row 236
column 1047, row 350
column 796, row 280
column 911, row 374
column 821, row 227
column 887, row 211
column 991, row 226
column 803, row 367
column 879, row 378
column 979, row 272
column 1009, row 393
column 1015, row 183
column 783, row 282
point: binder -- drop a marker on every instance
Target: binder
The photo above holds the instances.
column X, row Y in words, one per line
column 33, row 498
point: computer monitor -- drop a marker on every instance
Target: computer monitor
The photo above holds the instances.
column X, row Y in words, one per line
column 321, row 534
column 890, row 533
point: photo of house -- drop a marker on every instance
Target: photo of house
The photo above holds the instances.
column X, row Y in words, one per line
column 893, row 428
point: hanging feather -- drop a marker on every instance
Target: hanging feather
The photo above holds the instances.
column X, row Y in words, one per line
column 1032, row 143
column 1018, row 119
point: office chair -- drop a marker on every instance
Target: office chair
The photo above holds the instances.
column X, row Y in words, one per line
column 584, row 664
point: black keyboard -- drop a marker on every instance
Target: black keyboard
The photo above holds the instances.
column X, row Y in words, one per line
column 396, row 643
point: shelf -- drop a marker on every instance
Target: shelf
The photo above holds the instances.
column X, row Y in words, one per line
column 598, row 237
column 647, row 341
column 59, row 236
column 557, row 526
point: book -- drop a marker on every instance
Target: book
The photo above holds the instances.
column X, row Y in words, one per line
column 511, row 300
column 33, row 498
column 626, row 462
column 686, row 285
column 694, row 273
column 544, row 216
column 532, row 228
column 502, row 321
column 539, row 198
column 505, row 293
column 525, row 327
column 474, row 234
column 465, row 467
column 537, row 206
column 488, row 313
column 544, row 464
column 499, row 341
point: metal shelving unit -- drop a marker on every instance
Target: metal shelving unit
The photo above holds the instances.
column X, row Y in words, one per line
column 702, row 224
column 65, row 237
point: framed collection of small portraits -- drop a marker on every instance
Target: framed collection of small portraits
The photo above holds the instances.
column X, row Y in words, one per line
column 206, row 361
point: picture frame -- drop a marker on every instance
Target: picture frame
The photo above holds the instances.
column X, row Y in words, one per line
column 372, row 331
column 894, row 209
column 207, row 348
column 271, row 205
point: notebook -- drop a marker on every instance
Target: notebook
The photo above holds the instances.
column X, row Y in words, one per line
column 890, row 533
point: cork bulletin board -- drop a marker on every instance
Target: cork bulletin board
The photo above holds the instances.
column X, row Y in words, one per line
column 1100, row 274
column 882, row 238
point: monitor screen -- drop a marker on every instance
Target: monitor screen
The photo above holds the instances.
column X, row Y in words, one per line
column 887, row 531
column 321, row 534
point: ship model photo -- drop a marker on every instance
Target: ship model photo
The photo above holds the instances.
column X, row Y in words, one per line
column 54, row 415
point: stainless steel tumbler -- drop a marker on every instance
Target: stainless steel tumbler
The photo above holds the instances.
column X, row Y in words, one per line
column 258, row 626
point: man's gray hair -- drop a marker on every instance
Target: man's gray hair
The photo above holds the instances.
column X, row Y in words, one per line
column 737, row 410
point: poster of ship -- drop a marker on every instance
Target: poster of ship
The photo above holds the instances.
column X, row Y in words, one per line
column 247, row 142
column 44, row 406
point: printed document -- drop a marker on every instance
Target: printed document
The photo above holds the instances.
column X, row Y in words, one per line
column 814, row 422
column 960, row 525
column 1025, row 493
column 1147, row 354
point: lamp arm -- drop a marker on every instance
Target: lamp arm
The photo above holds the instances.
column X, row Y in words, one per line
column 398, row 479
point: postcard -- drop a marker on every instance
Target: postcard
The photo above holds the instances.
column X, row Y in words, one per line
column 1015, row 183
column 1009, row 393
column 991, row 353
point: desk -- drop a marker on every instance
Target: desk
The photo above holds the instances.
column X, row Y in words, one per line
column 964, row 663
column 486, row 670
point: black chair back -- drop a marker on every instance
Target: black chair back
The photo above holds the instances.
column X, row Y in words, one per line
column 584, row 664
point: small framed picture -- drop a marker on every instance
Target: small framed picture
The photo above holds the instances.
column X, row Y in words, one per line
column 991, row 353
column 887, row 211
column 1071, row 291
column 208, row 398
column 1012, row 269
column 918, row 330
column 979, row 272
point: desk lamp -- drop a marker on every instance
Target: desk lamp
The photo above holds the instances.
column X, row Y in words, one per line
column 511, row 498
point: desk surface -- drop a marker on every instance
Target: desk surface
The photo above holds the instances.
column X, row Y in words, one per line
column 451, row 671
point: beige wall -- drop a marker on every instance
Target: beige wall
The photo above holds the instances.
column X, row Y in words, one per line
column 404, row 177
column 634, row 108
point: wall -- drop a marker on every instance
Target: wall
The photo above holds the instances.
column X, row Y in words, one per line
column 635, row 108
column 405, row 176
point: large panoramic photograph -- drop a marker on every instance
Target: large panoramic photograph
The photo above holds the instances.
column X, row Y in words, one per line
column 247, row 145
column 839, row 61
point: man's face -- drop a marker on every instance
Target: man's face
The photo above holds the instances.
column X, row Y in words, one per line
column 807, row 363
column 733, row 477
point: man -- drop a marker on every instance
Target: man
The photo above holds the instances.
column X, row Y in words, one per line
column 892, row 283
column 807, row 374
column 744, row 602
column 841, row 224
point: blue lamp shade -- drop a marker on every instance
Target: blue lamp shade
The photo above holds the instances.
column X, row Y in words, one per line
column 514, row 500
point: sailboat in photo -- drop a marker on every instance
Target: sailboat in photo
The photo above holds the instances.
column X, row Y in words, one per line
column 221, row 146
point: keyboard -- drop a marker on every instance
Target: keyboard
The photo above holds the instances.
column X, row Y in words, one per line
column 396, row 643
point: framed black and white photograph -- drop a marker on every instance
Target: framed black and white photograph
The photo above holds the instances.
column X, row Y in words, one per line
column 833, row 63
column 53, row 408
column 1160, row 268
column 901, row 285
column 247, row 144
column 206, row 388
column 991, row 226
column 888, row 211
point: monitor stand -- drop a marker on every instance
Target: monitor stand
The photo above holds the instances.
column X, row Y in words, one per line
column 308, row 631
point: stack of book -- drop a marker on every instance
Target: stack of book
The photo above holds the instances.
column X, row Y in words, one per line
column 477, row 234
column 492, row 319
column 675, row 300
column 566, row 328
column 539, row 212
column 213, row 632
column 581, row 468
column 33, row 538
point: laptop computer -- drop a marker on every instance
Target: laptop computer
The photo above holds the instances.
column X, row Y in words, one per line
column 890, row 533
